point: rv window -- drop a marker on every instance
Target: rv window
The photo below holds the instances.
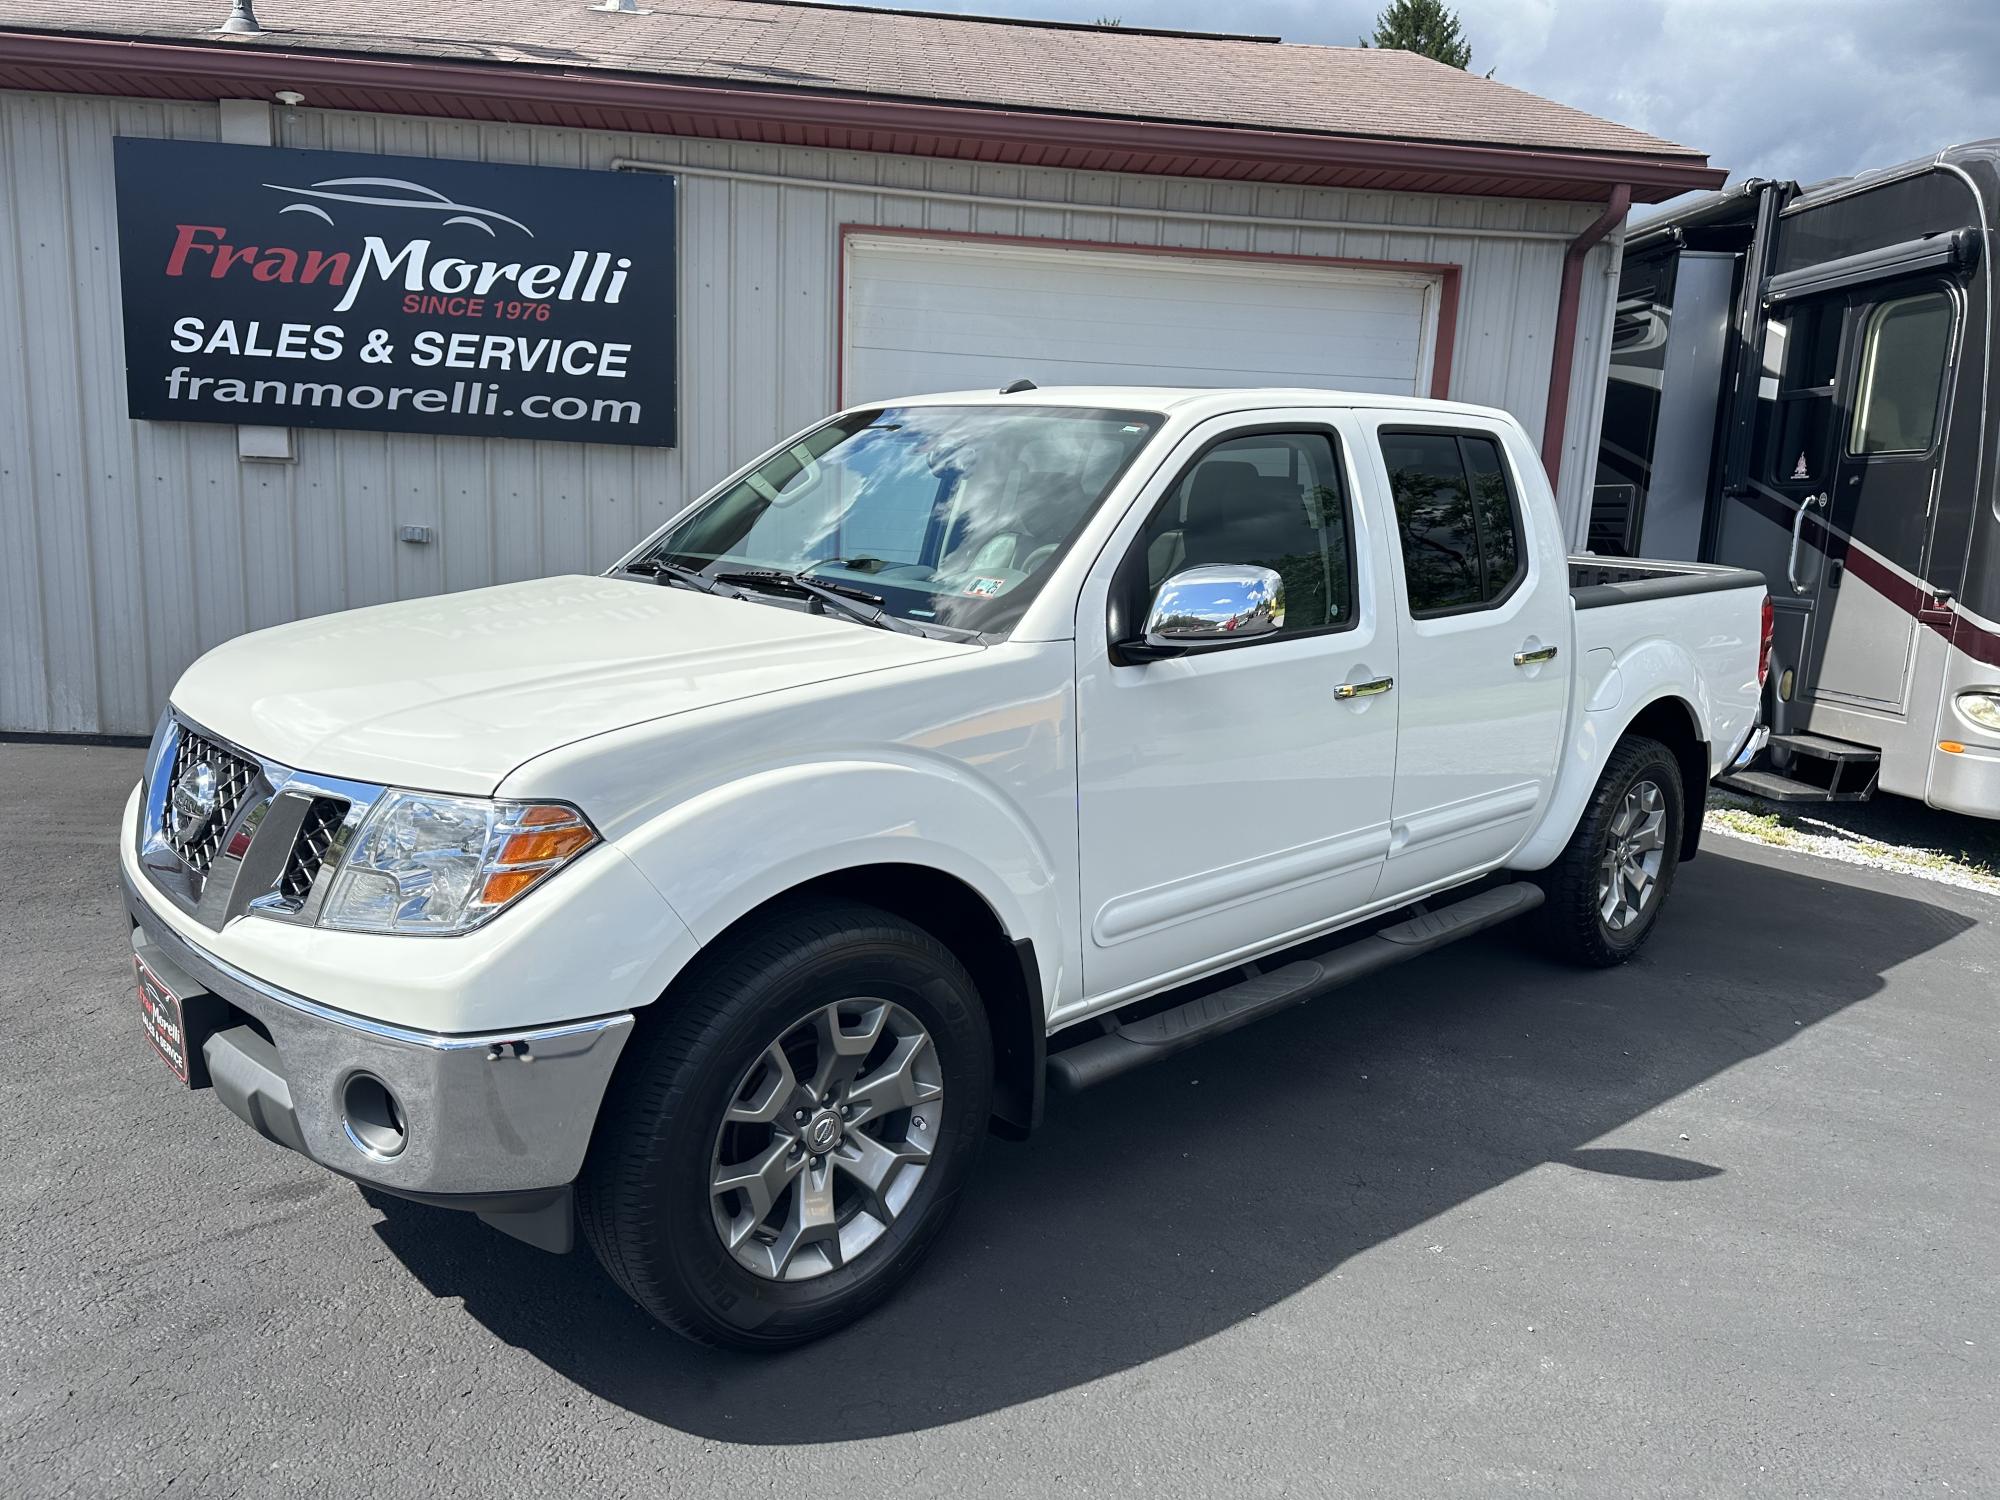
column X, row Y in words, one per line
column 1801, row 452
column 1816, row 349
column 1902, row 374
column 1795, row 421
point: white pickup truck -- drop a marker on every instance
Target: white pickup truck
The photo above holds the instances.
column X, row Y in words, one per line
column 957, row 747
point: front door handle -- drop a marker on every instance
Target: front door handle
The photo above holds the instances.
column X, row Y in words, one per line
column 1371, row 689
column 1538, row 655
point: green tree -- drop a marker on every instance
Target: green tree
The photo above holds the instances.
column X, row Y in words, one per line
column 1423, row 26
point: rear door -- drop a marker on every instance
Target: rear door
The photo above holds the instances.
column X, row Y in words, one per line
column 1483, row 625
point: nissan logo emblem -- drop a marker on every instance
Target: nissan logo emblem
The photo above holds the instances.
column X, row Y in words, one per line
column 193, row 800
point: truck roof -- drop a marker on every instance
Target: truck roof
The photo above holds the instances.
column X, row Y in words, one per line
column 1193, row 401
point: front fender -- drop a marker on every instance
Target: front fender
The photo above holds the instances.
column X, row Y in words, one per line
column 1616, row 692
column 727, row 850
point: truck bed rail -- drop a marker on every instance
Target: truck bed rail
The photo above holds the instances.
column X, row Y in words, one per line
column 1595, row 582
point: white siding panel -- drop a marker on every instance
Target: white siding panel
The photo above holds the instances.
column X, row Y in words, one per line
column 127, row 548
column 25, row 699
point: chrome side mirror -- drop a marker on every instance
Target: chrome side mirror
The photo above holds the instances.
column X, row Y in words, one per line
column 1216, row 603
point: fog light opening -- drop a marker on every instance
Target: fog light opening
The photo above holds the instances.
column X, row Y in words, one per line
column 373, row 1116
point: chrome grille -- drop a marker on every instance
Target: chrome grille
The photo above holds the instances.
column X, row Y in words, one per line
column 268, row 837
column 198, row 844
column 309, row 850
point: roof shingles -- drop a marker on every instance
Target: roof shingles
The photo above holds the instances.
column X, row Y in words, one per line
column 1111, row 72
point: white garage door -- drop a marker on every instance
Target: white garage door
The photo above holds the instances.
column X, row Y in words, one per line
column 926, row 314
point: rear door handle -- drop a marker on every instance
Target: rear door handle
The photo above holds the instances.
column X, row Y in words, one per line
column 1531, row 658
column 1370, row 689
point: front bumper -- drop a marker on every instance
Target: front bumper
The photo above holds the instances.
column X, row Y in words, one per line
column 495, row 1122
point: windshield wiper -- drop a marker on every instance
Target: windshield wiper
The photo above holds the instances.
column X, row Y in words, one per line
column 666, row 572
column 854, row 603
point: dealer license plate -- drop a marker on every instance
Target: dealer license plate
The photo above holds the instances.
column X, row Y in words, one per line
column 160, row 1012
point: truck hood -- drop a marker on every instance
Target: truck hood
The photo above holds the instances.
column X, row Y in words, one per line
column 451, row 693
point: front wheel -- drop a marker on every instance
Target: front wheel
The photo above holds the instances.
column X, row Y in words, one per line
column 1606, row 890
column 781, row 1145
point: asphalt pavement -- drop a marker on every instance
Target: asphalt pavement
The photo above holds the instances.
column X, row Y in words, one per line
column 1723, row 1222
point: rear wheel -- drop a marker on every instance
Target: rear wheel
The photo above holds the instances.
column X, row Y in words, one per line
column 1606, row 890
column 778, row 1152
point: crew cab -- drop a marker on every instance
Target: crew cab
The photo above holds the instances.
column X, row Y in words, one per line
column 958, row 748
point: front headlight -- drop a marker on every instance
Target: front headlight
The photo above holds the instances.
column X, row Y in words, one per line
column 423, row 863
column 1982, row 709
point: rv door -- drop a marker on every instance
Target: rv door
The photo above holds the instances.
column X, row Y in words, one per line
column 1774, row 521
column 1885, row 454
column 1839, row 505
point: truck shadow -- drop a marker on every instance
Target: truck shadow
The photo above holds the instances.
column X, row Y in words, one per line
column 1166, row 1207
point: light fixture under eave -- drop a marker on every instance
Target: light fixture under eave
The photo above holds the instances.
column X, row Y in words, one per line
column 289, row 97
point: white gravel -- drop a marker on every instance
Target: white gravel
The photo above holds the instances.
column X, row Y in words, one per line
column 1886, row 834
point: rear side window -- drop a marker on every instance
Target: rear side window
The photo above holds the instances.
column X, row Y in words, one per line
column 1456, row 517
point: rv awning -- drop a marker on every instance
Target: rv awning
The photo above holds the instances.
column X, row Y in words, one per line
column 1953, row 250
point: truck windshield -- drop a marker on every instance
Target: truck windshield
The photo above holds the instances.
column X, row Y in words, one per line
column 948, row 515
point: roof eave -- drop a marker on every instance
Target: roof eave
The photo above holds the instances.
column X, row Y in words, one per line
column 607, row 99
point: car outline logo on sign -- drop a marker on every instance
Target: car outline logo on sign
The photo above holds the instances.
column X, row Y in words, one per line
column 420, row 197
column 193, row 800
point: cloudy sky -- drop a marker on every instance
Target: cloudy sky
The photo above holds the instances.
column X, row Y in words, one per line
column 1803, row 89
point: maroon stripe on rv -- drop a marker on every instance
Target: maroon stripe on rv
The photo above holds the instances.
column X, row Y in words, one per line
column 1914, row 599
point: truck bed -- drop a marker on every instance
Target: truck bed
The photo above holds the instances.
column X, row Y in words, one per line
column 1596, row 582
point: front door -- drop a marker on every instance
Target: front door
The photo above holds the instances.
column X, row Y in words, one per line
column 1884, row 455
column 1230, row 799
column 1483, row 628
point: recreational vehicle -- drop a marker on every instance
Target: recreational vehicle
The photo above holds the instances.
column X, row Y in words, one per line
column 1801, row 384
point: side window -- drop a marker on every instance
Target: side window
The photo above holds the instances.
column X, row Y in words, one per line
column 1456, row 517
column 1276, row 500
column 1795, row 393
column 1493, row 508
column 1903, row 358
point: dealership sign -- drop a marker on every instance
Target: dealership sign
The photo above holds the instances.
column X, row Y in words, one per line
column 322, row 289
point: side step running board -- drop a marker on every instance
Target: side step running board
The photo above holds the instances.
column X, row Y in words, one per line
column 1133, row 1044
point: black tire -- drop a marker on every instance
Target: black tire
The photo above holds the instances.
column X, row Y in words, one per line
column 644, row 1196
column 1571, row 923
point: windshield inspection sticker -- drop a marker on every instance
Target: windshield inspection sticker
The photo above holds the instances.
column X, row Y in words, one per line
column 986, row 588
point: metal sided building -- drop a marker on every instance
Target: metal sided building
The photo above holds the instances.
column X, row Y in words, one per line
column 354, row 302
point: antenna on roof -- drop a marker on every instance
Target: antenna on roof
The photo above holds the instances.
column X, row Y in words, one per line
column 622, row 8
column 242, row 21
column 1017, row 387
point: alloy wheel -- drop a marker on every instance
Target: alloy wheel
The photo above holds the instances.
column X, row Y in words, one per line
column 825, row 1139
column 1628, row 872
